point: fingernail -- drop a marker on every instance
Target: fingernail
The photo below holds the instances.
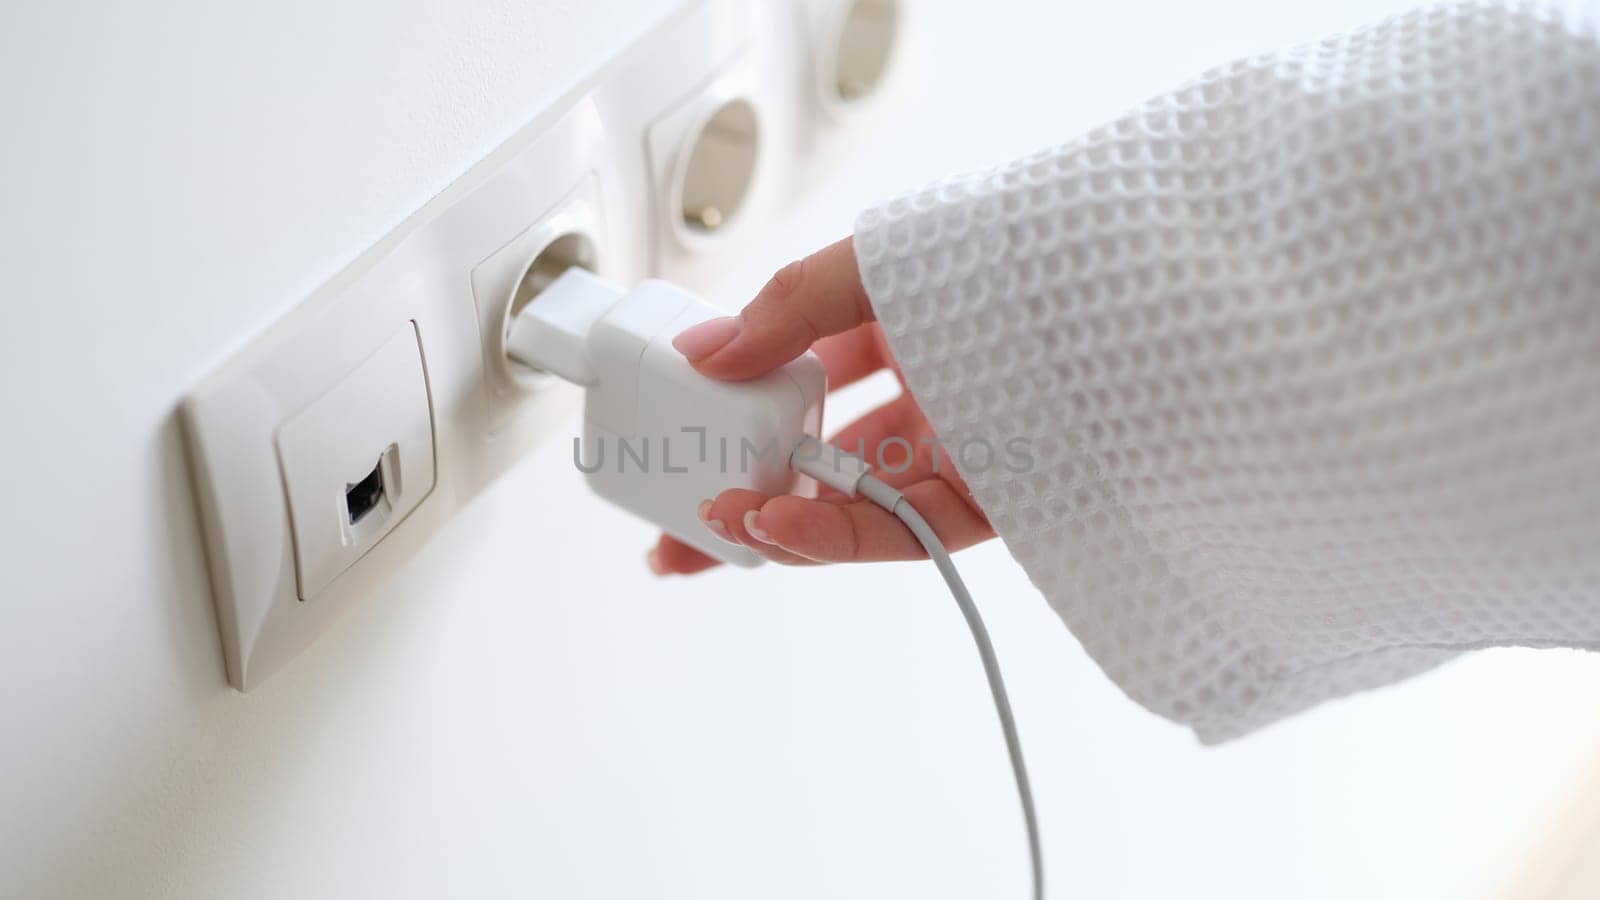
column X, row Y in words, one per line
column 716, row 527
column 653, row 560
column 755, row 530
column 700, row 341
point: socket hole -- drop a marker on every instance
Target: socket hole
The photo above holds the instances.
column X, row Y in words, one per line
column 721, row 167
column 570, row 249
column 866, row 41
column 368, row 500
column 363, row 497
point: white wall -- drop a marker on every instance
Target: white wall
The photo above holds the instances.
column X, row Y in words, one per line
column 524, row 712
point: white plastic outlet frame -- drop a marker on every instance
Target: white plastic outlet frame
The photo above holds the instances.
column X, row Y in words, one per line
column 283, row 571
column 599, row 178
column 706, row 157
column 853, row 46
column 573, row 231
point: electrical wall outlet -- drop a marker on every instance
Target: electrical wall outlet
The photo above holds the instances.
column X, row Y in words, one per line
column 357, row 460
column 329, row 450
column 570, row 233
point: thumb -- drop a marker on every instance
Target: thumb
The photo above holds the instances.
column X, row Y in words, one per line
column 805, row 301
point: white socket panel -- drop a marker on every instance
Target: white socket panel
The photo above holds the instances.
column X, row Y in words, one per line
column 330, row 449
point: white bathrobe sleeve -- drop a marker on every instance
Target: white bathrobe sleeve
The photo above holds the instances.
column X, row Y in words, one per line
column 1304, row 359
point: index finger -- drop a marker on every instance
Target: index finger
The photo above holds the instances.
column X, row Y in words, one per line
column 805, row 301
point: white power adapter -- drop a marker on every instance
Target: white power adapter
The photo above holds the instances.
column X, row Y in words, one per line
column 659, row 437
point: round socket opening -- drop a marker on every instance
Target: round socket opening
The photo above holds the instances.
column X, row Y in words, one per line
column 561, row 254
column 720, row 167
column 865, row 40
column 570, row 249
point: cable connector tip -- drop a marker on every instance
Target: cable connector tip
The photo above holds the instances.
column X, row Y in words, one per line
column 829, row 465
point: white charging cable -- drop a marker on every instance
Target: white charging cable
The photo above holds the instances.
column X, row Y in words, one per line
column 852, row 476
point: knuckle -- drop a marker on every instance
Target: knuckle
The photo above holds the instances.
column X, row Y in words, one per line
column 854, row 540
column 785, row 282
column 780, row 303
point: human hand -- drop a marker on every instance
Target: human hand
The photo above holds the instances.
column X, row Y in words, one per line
column 818, row 304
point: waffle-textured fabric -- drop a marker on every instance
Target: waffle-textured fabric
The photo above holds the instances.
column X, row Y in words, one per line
column 1307, row 354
